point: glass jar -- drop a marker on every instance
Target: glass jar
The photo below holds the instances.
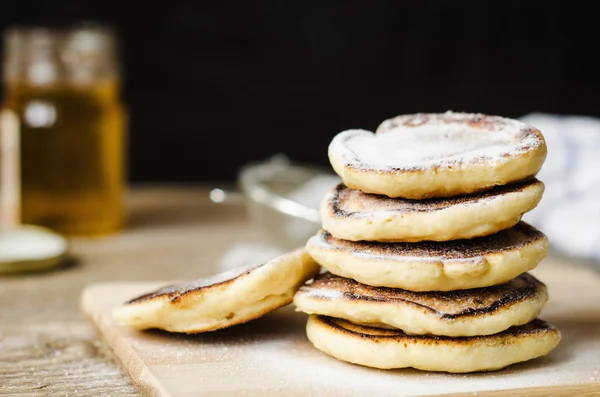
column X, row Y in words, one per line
column 64, row 85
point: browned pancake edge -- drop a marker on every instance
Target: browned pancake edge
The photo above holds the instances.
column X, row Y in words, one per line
column 518, row 236
column 176, row 292
column 448, row 305
column 534, row 328
column 342, row 196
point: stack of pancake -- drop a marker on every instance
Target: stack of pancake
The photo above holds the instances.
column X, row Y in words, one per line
column 425, row 258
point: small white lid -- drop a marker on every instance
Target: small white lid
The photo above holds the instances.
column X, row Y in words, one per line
column 28, row 248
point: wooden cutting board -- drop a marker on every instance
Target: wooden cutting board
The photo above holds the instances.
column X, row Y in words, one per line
column 272, row 357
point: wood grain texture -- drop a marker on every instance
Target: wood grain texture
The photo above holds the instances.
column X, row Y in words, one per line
column 272, row 357
column 59, row 359
column 47, row 347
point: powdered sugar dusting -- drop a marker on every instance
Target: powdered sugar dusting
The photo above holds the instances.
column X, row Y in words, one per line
column 322, row 293
column 422, row 141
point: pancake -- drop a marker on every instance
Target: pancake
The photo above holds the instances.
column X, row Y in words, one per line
column 479, row 311
column 352, row 215
column 433, row 266
column 386, row 349
column 221, row 301
column 426, row 155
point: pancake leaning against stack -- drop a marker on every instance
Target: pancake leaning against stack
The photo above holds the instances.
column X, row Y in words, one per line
column 221, row 301
column 425, row 253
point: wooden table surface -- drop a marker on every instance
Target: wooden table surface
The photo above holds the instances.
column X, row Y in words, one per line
column 48, row 348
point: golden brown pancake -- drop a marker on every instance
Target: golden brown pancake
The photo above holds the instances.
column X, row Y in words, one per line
column 353, row 215
column 479, row 311
column 386, row 348
column 226, row 299
column 433, row 266
column 426, row 155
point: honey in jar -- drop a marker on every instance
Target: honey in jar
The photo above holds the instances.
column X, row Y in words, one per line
column 64, row 85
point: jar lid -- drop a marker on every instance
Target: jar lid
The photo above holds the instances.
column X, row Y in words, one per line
column 31, row 248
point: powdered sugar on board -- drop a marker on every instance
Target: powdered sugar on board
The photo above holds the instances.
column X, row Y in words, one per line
column 422, row 141
column 272, row 357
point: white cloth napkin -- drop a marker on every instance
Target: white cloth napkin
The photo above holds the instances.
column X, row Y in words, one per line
column 569, row 213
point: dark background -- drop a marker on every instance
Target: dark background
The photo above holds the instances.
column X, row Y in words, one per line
column 213, row 85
